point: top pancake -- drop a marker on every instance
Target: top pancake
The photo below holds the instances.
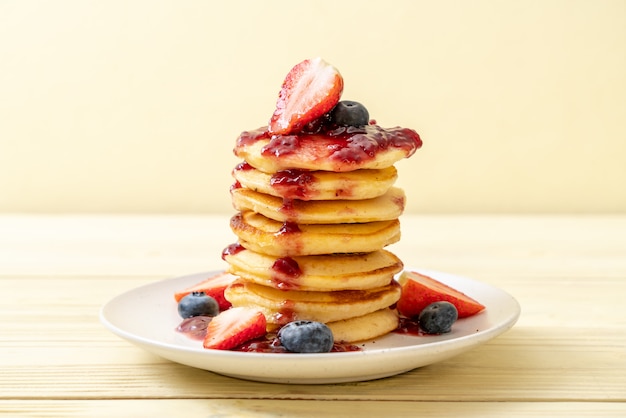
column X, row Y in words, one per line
column 346, row 149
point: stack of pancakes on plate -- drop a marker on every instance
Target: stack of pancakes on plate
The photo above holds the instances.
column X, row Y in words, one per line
column 312, row 231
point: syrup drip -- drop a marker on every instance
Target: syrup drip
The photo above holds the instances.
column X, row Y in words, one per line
column 287, row 206
column 236, row 185
column 288, row 228
column 288, row 234
column 409, row 326
column 243, row 166
column 294, row 184
column 286, row 272
column 232, row 249
column 286, row 313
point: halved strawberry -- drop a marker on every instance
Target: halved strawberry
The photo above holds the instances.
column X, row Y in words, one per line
column 311, row 89
column 419, row 291
column 213, row 286
column 234, row 327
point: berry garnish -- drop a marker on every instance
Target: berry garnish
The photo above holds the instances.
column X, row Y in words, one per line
column 197, row 304
column 306, row 337
column 349, row 113
column 234, row 327
column 213, row 286
column 419, row 291
column 438, row 317
column 310, row 90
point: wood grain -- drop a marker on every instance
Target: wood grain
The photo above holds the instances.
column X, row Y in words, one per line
column 565, row 357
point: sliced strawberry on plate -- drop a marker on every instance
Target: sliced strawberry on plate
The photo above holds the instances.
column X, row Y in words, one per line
column 311, row 89
column 419, row 291
column 213, row 286
column 234, row 327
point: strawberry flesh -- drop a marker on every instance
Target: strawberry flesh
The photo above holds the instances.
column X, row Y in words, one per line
column 310, row 90
column 234, row 327
column 213, row 286
column 419, row 291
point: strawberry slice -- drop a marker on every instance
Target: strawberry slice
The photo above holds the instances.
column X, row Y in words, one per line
column 214, row 286
column 311, row 89
column 419, row 291
column 234, row 327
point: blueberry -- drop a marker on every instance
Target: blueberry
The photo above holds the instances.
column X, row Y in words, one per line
column 438, row 317
column 349, row 113
column 306, row 337
column 197, row 304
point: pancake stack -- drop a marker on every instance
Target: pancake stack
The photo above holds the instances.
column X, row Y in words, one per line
column 316, row 207
column 311, row 242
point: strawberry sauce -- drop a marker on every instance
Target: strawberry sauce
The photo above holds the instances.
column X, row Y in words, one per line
column 243, row 166
column 294, row 184
column 289, row 228
column 232, row 249
column 271, row 344
column 409, row 326
column 344, row 145
column 286, row 272
column 286, row 313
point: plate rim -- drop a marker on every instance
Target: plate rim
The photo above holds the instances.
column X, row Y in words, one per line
column 172, row 351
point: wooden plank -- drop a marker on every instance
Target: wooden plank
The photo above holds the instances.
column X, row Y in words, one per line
column 522, row 365
column 303, row 408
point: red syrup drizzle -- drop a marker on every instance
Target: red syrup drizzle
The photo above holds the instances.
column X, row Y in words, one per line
column 250, row 137
column 243, row 166
column 286, row 313
column 345, row 144
column 232, row 249
column 195, row 329
column 293, row 184
column 236, row 185
column 409, row 326
column 288, row 228
column 287, row 207
column 286, row 272
column 288, row 234
column 271, row 344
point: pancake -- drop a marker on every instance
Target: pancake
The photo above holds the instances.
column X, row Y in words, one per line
column 348, row 149
column 317, row 185
column 318, row 272
column 283, row 306
column 365, row 327
column 386, row 207
column 264, row 235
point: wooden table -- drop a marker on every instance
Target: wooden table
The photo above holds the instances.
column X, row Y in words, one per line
column 565, row 357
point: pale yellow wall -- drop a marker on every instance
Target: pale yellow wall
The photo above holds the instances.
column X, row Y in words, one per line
column 134, row 106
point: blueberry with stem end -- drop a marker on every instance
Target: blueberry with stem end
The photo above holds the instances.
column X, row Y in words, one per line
column 306, row 337
column 198, row 304
column 438, row 317
column 349, row 113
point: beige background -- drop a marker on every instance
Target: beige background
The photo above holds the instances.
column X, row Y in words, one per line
column 134, row 106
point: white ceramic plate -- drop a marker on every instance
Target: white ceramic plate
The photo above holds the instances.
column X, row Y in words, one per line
column 147, row 316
